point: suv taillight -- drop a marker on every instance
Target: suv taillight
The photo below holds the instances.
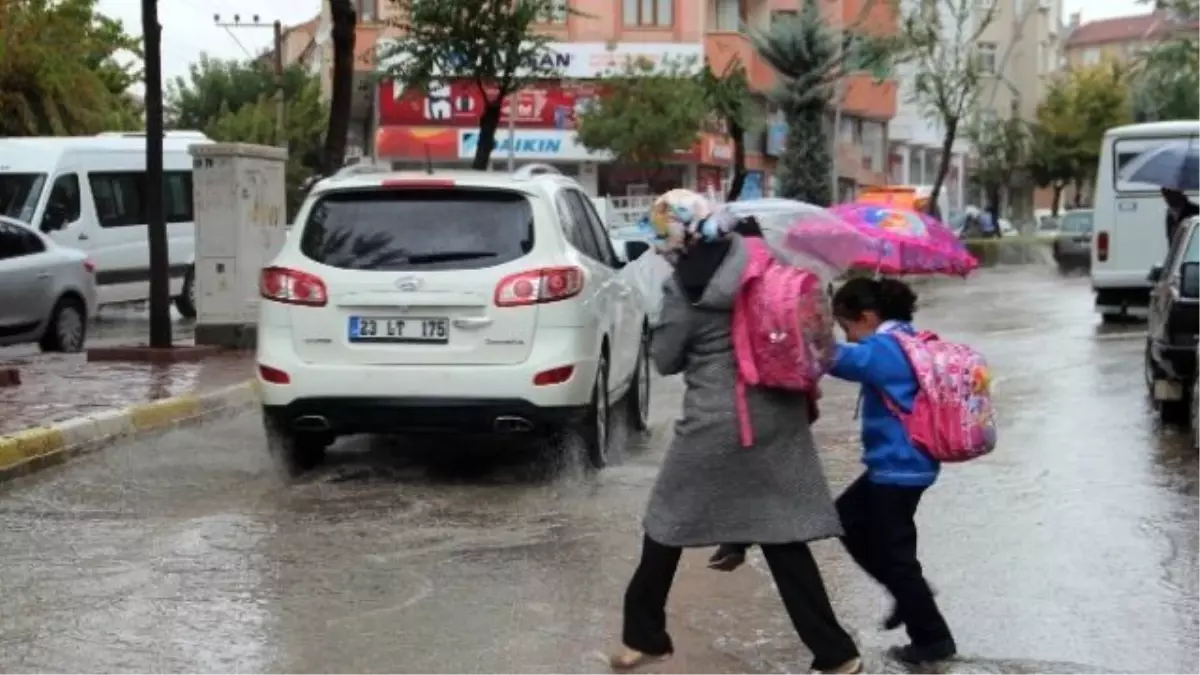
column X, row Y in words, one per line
column 89, row 266
column 1102, row 246
column 548, row 284
column 292, row 287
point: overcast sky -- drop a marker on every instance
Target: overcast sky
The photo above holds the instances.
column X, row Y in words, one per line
column 188, row 27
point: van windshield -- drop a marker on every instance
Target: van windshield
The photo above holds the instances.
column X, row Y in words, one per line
column 19, row 193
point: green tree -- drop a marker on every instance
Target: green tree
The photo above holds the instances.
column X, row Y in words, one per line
column 939, row 39
column 730, row 98
column 646, row 114
column 1002, row 149
column 800, row 50
column 494, row 44
column 233, row 101
column 60, row 70
column 341, row 97
column 811, row 58
column 1167, row 85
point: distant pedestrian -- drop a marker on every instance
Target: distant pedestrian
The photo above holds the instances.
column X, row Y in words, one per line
column 878, row 510
column 711, row 489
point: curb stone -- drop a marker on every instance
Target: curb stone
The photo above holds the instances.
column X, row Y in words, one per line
column 30, row 450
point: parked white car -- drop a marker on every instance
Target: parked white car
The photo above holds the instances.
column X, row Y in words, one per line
column 47, row 292
column 448, row 302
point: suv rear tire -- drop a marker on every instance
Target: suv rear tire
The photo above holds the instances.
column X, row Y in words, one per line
column 294, row 453
column 637, row 401
column 596, row 424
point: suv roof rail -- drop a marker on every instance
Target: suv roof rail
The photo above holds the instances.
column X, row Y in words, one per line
column 534, row 170
column 360, row 169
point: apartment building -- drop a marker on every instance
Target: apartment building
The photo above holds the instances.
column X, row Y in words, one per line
column 410, row 127
column 1119, row 38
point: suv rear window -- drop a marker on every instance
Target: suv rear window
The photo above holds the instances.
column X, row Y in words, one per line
column 425, row 229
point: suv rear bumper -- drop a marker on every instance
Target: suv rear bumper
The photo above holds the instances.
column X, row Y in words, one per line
column 381, row 415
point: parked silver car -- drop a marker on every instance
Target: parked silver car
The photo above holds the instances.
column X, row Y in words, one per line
column 47, row 292
column 1072, row 245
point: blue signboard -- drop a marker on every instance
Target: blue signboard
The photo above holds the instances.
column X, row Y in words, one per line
column 753, row 187
column 776, row 139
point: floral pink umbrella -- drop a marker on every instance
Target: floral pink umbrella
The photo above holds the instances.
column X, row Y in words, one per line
column 886, row 239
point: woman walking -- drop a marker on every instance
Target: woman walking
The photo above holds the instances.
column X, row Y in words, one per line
column 711, row 489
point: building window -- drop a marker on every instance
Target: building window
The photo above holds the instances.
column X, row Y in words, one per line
column 368, row 10
column 1091, row 56
column 985, row 4
column 986, row 53
column 555, row 13
column 873, row 145
column 649, row 13
column 730, row 15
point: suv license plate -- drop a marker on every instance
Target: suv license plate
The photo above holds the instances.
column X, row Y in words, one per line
column 428, row 330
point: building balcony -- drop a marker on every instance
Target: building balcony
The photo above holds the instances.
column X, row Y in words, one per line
column 723, row 48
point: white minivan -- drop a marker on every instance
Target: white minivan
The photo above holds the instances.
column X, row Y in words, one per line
column 1129, row 225
column 87, row 193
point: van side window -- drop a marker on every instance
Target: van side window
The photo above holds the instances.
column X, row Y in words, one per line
column 120, row 202
column 1130, row 153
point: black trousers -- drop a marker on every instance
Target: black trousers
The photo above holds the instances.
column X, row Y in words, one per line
column 881, row 536
column 796, row 576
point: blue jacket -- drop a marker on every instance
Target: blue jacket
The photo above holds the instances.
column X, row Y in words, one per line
column 879, row 364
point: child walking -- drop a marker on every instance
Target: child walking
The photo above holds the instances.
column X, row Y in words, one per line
column 877, row 511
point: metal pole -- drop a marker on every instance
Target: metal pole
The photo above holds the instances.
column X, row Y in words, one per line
column 156, row 225
column 512, row 132
column 280, row 108
column 839, row 94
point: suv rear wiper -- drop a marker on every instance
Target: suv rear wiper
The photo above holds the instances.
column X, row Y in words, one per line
column 447, row 256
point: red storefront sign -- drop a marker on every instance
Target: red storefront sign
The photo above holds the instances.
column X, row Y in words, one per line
column 437, row 143
column 460, row 104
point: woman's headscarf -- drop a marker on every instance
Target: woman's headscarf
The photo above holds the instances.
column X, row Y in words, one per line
column 680, row 219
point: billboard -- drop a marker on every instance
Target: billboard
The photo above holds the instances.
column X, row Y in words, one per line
column 459, row 103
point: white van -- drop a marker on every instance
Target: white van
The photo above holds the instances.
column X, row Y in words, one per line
column 1129, row 228
column 86, row 193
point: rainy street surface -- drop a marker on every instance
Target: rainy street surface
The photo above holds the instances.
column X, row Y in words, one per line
column 1072, row 549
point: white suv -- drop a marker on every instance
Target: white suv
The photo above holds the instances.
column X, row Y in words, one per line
column 463, row 302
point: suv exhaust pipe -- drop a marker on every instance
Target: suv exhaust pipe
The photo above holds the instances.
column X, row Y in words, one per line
column 311, row 423
column 509, row 424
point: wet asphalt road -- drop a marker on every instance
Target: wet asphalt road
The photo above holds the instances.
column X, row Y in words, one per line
column 1072, row 549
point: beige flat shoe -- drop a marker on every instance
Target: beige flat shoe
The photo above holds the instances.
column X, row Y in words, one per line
column 631, row 659
column 851, row 667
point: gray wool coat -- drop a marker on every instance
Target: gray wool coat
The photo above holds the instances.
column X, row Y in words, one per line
column 711, row 490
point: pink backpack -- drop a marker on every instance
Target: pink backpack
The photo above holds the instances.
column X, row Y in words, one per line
column 782, row 331
column 952, row 418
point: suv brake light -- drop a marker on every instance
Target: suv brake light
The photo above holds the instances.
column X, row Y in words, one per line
column 548, row 284
column 89, row 266
column 292, row 287
column 1102, row 246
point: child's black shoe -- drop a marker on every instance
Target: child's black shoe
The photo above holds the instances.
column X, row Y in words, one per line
column 728, row 557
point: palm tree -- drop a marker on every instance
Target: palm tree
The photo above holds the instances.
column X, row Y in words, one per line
column 803, row 51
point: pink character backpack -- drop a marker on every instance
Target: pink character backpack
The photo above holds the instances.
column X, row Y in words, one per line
column 782, row 331
column 952, row 418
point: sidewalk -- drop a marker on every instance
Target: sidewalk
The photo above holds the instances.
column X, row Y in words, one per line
column 58, row 387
